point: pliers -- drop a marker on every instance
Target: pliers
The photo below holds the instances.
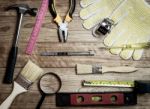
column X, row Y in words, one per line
column 62, row 24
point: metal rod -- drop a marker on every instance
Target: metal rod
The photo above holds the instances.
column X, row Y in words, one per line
column 80, row 53
column 18, row 30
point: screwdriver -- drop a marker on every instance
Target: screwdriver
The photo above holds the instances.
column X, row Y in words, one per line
column 79, row 53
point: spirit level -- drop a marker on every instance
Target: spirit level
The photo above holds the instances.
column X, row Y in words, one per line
column 96, row 99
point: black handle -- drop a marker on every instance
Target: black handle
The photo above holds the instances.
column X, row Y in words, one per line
column 11, row 65
column 72, row 7
column 41, row 101
column 52, row 8
column 142, row 86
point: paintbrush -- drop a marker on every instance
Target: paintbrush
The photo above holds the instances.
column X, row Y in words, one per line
column 97, row 69
column 25, row 79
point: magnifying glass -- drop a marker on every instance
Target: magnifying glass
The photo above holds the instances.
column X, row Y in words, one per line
column 49, row 84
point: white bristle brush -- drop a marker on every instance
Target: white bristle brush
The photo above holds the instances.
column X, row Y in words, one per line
column 29, row 74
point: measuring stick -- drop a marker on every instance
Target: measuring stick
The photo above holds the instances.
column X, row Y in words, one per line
column 35, row 32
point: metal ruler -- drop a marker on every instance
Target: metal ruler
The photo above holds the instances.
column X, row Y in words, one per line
column 103, row 83
column 35, row 32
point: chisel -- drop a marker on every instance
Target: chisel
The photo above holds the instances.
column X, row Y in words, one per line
column 97, row 69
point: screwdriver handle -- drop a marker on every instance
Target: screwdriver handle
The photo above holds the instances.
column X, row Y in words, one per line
column 11, row 65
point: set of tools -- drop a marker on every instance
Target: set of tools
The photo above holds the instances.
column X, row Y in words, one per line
column 50, row 83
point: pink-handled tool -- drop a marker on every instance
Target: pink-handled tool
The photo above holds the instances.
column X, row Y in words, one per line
column 35, row 32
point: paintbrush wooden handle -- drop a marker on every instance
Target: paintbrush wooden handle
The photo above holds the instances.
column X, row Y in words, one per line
column 16, row 91
column 118, row 69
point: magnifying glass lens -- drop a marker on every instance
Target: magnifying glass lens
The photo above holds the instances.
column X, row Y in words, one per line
column 49, row 84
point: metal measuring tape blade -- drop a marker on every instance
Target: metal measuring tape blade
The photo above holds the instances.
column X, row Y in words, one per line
column 139, row 86
column 103, row 83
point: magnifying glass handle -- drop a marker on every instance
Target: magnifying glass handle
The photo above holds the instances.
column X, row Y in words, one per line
column 41, row 101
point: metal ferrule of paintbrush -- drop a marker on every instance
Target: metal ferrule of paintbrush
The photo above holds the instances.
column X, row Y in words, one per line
column 96, row 69
column 22, row 81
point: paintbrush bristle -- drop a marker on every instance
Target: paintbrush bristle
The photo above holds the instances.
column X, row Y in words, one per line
column 83, row 69
column 31, row 71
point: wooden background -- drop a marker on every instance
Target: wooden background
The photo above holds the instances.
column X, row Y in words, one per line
column 79, row 39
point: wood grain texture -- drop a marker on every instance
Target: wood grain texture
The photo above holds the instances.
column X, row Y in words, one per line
column 79, row 40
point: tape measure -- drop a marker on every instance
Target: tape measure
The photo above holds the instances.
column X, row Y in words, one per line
column 35, row 32
column 103, row 83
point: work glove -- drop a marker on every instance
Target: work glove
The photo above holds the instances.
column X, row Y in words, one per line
column 93, row 11
column 132, row 24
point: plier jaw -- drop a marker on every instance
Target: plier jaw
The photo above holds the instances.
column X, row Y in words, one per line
column 63, row 32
